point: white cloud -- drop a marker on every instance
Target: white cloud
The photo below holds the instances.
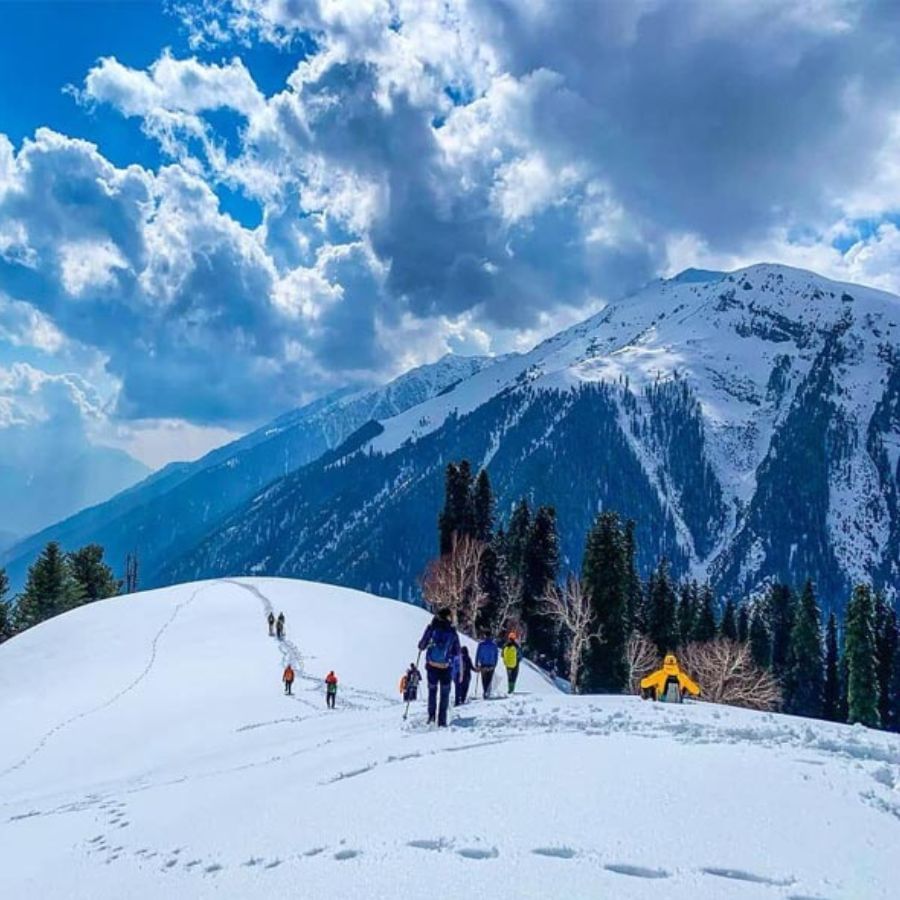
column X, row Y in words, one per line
column 89, row 265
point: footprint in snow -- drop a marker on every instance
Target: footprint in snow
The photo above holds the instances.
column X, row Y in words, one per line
column 636, row 871
column 555, row 852
column 274, row 864
column 253, row 861
column 478, row 853
column 211, row 870
column 741, row 875
column 341, row 855
column 439, row 845
column 315, row 851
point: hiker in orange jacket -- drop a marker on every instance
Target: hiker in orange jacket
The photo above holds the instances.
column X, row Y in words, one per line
column 288, row 678
column 331, row 683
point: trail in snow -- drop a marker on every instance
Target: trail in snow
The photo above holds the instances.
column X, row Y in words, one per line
column 115, row 697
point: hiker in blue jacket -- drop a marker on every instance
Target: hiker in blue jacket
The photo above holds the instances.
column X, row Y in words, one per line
column 441, row 644
column 486, row 658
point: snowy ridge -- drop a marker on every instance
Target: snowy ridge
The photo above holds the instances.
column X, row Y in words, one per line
column 169, row 763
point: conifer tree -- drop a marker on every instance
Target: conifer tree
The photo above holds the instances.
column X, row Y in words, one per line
column 634, row 588
column 661, row 609
column 859, row 650
column 805, row 673
column 885, row 648
column 604, row 581
column 780, row 608
column 483, row 507
column 705, row 624
column 760, row 638
column 517, row 534
column 94, row 577
column 6, row 624
column 728, row 627
column 541, row 567
column 831, row 706
column 458, row 515
column 687, row 610
column 893, row 722
column 490, row 579
column 49, row 589
column 744, row 623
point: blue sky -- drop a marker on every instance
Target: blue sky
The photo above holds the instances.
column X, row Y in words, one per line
column 211, row 212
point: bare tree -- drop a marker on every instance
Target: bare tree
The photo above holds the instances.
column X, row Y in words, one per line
column 510, row 603
column 642, row 658
column 452, row 581
column 726, row 673
column 570, row 607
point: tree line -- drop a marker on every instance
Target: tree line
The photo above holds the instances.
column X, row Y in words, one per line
column 605, row 627
column 59, row 581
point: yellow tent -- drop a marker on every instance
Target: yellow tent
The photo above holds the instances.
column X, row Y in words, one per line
column 668, row 683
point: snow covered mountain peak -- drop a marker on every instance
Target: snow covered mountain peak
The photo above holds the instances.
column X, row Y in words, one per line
column 748, row 421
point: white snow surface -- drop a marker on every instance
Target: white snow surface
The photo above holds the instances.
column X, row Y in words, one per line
column 148, row 751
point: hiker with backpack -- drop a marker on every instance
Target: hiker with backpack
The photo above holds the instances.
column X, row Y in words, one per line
column 409, row 684
column 487, row 656
column 512, row 656
column 279, row 626
column 463, row 677
column 440, row 643
column 288, row 678
column 271, row 620
column 331, row 686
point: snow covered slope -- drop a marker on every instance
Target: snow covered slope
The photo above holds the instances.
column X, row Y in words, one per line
column 147, row 751
column 749, row 422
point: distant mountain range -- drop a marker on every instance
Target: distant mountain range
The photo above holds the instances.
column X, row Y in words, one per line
column 748, row 421
column 173, row 509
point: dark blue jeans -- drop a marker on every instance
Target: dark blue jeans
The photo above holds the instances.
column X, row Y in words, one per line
column 438, row 678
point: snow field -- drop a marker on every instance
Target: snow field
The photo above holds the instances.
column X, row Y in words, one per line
column 153, row 754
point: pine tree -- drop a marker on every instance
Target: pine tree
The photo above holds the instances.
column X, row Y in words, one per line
column 744, row 623
column 804, row 676
column 780, row 608
column 490, row 578
column 661, row 609
column 728, row 627
column 894, row 718
column 517, row 534
column 687, row 610
column 831, row 706
column 49, row 589
column 458, row 515
column 6, row 623
column 483, row 507
column 885, row 648
column 760, row 638
column 705, row 623
column 604, row 581
column 95, row 578
column 634, row 588
column 541, row 567
column 859, row 650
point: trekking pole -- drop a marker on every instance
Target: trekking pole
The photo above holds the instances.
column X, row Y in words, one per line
column 406, row 711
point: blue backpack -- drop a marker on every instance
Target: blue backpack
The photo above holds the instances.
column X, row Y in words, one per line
column 487, row 655
column 440, row 647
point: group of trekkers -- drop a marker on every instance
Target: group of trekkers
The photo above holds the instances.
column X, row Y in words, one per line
column 276, row 629
column 276, row 626
column 447, row 662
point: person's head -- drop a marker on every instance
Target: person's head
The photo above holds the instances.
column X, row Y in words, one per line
column 444, row 613
column 465, row 651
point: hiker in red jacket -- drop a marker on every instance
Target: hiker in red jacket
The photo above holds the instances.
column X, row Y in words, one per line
column 331, row 683
column 288, row 678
